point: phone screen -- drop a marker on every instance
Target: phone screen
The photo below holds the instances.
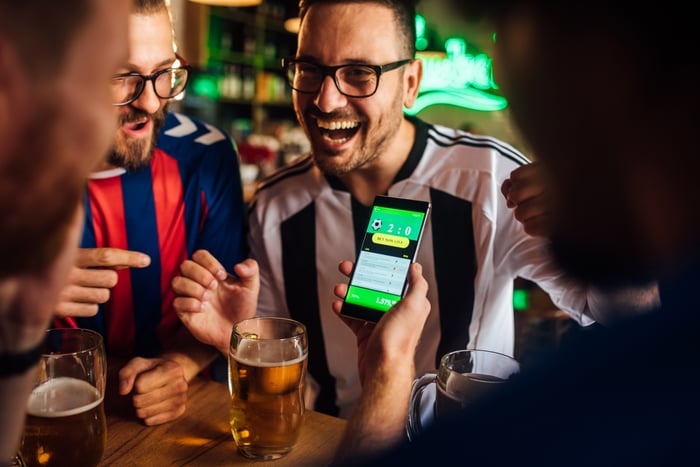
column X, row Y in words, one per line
column 389, row 247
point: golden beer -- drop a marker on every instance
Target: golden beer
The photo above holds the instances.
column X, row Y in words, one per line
column 267, row 368
column 65, row 424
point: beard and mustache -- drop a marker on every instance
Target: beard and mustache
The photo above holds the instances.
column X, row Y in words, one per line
column 135, row 154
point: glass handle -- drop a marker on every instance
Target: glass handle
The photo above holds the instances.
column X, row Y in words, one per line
column 413, row 422
column 17, row 461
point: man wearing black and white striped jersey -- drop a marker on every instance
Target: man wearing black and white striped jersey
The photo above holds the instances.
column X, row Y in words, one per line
column 311, row 214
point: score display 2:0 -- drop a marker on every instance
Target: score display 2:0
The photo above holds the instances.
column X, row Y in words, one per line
column 396, row 222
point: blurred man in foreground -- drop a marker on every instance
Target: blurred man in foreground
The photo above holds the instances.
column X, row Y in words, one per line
column 56, row 122
column 622, row 158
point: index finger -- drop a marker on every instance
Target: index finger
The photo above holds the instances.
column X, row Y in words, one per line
column 210, row 263
column 113, row 258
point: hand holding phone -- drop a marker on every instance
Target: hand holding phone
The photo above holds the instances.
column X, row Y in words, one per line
column 390, row 245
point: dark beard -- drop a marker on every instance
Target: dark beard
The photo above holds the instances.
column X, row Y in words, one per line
column 132, row 159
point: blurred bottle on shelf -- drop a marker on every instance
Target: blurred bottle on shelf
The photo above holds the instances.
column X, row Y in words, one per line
column 230, row 83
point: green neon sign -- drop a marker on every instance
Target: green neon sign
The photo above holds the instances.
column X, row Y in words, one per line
column 455, row 77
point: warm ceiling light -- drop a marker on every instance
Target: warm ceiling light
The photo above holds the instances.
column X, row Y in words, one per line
column 229, row 2
column 292, row 24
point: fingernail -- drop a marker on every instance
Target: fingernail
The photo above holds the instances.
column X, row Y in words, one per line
column 221, row 275
column 206, row 296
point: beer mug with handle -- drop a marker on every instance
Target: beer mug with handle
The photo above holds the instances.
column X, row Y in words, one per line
column 66, row 422
column 267, row 368
column 464, row 377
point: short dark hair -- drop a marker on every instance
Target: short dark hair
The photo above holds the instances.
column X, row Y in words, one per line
column 150, row 6
column 404, row 12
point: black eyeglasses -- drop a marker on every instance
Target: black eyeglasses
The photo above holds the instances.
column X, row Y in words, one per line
column 168, row 83
column 352, row 80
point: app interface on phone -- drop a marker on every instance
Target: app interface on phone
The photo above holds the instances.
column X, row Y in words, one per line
column 388, row 248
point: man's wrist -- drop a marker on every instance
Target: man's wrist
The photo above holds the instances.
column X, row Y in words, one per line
column 13, row 364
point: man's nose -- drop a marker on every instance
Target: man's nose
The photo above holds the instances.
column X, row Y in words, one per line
column 329, row 97
column 148, row 101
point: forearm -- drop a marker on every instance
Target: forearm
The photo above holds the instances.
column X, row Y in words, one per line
column 192, row 355
column 378, row 422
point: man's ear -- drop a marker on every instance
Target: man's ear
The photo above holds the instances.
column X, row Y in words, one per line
column 412, row 79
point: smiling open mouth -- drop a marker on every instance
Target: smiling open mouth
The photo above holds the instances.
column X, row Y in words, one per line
column 138, row 126
column 338, row 131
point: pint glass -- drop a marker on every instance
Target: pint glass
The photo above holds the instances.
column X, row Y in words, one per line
column 66, row 422
column 267, row 367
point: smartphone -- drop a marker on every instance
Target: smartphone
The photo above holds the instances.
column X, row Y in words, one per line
column 390, row 245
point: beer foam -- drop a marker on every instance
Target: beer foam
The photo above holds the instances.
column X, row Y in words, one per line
column 265, row 364
column 264, row 354
column 62, row 397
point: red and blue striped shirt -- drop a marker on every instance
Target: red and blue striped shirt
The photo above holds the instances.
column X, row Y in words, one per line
column 189, row 198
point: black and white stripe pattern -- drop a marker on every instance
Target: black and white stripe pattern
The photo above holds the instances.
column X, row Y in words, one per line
column 302, row 224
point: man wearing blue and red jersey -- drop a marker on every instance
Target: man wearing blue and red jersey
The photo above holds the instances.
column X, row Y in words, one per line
column 188, row 197
column 171, row 186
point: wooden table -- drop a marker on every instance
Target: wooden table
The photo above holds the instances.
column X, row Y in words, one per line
column 202, row 436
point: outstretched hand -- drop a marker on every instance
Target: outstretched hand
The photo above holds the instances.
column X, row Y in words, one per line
column 210, row 301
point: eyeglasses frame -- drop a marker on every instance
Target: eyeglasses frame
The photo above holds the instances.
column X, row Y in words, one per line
column 152, row 78
column 332, row 72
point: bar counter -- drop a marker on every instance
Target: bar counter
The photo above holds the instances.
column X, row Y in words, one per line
column 201, row 437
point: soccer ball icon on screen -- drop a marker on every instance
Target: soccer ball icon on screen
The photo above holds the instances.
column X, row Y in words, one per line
column 377, row 224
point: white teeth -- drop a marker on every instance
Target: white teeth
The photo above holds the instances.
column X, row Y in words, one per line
column 336, row 141
column 337, row 125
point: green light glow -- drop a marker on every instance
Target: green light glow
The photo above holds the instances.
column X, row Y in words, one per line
column 457, row 78
column 521, row 299
column 420, row 26
column 205, row 86
column 421, row 40
column 466, row 98
column 456, row 69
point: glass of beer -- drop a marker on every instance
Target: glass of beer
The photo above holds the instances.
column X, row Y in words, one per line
column 267, row 367
column 66, row 422
column 464, row 377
